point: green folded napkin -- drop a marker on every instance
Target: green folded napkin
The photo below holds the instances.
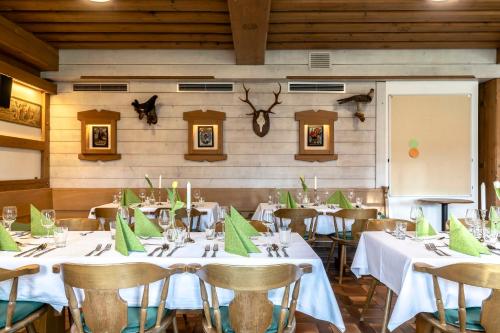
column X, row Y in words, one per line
column 461, row 240
column 143, row 226
column 338, row 198
column 129, row 197
column 6, row 241
column 242, row 224
column 289, row 201
column 37, row 228
column 236, row 240
column 424, row 228
column 125, row 239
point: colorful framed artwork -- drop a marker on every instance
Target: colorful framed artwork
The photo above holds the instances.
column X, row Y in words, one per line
column 206, row 136
column 315, row 136
column 100, row 136
column 22, row 112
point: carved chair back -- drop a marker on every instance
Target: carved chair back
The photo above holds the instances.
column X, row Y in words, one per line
column 79, row 224
column 298, row 217
column 250, row 310
column 103, row 308
column 383, row 224
column 360, row 217
column 105, row 215
column 472, row 274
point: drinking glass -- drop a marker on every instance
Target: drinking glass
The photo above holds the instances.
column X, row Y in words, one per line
column 48, row 219
column 285, row 236
column 350, row 195
column 270, row 198
column 300, row 195
column 116, row 200
column 123, row 211
column 210, row 232
column 164, row 221
column 9, row 216
column 326, row 196
column 142, row 195
column 472, row 218
column 221, row 235
column 400, row 232
column 277, row 196
column 415, row 213
column 60, row 236
column 359, row 202
column 181, row 236
column 112, row 229
column 197, row 195
column 119, row 194
column 222, row 213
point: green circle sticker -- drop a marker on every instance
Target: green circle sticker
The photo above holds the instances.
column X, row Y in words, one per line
column 413, row 143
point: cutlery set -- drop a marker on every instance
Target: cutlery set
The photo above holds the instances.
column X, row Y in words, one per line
column 30, row 252
column 163, row 248
column 432, row 247
column 276, row 248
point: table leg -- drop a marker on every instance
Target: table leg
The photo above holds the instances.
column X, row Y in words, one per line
column 51, row 322
column 387, row 310
column 444, row 216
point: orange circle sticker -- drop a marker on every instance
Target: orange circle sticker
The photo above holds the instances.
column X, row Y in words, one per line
column 413, row 153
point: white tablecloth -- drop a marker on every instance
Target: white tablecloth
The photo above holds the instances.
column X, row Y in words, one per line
column 210, row 210
column 391, row 262
column 324, row 223
column 316, row 296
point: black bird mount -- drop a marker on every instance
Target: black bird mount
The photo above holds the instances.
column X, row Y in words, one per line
column 147, row 109
column 365, row 99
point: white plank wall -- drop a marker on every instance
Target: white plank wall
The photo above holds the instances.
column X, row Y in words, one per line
column 252, row 161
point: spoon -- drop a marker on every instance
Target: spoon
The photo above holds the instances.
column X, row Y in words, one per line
column 275, row 249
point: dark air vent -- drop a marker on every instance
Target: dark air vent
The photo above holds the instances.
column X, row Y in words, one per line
column 100, row 87
column 326, row 87
column 320, row 60
column 212, row 86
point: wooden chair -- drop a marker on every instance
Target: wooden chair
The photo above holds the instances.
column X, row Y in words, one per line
column 17, row 315
column 105, row 215
column 297, row 224
column 485, row 318
column 103, row 308
column 219, row 227
column 381, row 225
column 346, row 238
column 250, row 310
column 79, row 224
column 258, row 225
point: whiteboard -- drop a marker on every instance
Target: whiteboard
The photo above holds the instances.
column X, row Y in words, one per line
column 430, row 145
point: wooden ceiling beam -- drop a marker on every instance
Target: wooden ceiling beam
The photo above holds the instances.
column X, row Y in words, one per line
column 134, row 37
column 127, row 28
column 26, row 47
column 375, row 5
column 144, row 45
column 250, row 24
column 382, row 27
column 27, row 77
column 386, row 37
column 117, row 17
column 383, row 45
column 122, row 5
column 385, row 16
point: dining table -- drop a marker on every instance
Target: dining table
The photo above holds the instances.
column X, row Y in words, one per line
column 391, row 261
column 316, row 297
column 324, row 224
column 209, row 210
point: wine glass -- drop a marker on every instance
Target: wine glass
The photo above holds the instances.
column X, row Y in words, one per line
column 472, row 219
column 142, row 195
column 415, row 213
column 197, row 195
column 326, row 196
column 164, row 221
column 277, row 195
column 300, row 196
column 359, row 202
column 123, row 211
column 48, row 219
column 222, row 213
column 350, row 195
column 9, row 216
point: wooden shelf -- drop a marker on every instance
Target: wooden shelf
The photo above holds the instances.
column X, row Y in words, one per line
column 95, row 157
column 205, row 158
column 316, row 158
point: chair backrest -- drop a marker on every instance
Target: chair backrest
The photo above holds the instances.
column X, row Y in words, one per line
column 259, row 226
column 251, row 310
column 219, row 227
column 195, row 217
column 461, row 220
column 360, row 217
column 382, row 224
column 7, row 274
column 79, row 224
column 101, row 285
column 297, row 217
column 472, row 274
column 106, row 213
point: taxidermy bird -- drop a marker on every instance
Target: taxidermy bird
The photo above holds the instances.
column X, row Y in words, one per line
column 147, row 109
column 365, row 99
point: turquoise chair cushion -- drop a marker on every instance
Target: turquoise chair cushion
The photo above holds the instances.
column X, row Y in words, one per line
column 226, row 325
column 340, row 235
column 472, row 322
column 23, row 310
column 134, row 317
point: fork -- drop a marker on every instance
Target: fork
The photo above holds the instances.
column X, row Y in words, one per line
column 107, row 248
column 216, row 248
column 98, row 248
column 85, row 233
column 269, row 253
column 152, row 253
column 434, row 248
column 28, row 251
column 39, row 254
column 40, row 248
column 164, row 247
column 207, row 249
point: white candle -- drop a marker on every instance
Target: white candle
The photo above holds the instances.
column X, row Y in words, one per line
column 188, row 196
column 315, row 182
column 159, row 182
column 483, row 196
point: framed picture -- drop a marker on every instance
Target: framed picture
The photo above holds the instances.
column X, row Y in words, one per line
column 315, row 136
column 205, row 136
column 100, row 136
column 22, row 112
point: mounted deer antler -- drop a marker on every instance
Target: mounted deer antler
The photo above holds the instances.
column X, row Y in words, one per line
column 261, row 121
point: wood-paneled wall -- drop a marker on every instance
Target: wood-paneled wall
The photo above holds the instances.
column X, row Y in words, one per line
column 40, row 198
column 252, row 162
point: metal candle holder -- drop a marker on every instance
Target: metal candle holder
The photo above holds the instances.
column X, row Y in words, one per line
column 188, row 238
